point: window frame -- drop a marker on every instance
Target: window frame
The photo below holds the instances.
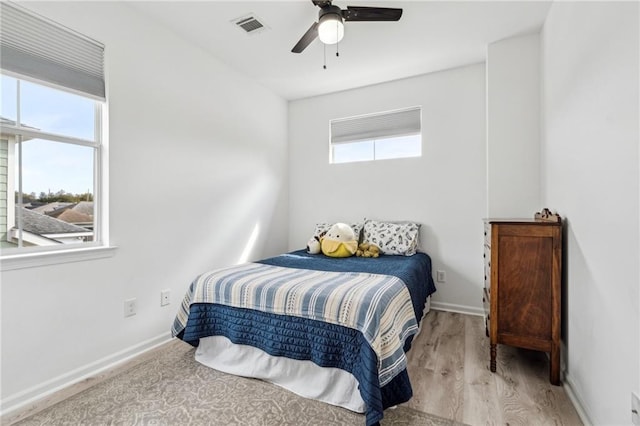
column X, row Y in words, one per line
column 99, row 247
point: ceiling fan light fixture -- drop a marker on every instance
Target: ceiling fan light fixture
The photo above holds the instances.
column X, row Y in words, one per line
column 330, row 28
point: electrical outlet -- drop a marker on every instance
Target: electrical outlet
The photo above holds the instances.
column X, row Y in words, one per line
column 130, row 307
column 441, row 276
column 165, row 297
column 635, row 408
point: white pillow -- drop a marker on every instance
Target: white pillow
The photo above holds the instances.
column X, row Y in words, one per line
column 394, row 238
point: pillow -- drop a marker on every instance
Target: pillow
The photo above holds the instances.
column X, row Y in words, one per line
column 394, row 238
column 324, row 227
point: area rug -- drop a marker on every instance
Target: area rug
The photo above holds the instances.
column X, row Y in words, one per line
column 173, row 389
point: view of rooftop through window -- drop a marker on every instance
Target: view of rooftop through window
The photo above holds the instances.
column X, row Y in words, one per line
column 49, row 141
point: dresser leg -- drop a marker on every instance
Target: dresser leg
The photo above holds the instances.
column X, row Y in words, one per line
column 554, row 376
column 493, row 357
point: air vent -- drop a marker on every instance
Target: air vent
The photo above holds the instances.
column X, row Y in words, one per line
column 250, row 24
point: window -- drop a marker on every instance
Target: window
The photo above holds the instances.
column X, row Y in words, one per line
column 380, row 136
column 51, row 120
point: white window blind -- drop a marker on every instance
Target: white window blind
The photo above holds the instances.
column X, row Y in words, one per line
column 376, row 126
column 36, row 47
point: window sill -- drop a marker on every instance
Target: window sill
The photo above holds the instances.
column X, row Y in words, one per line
column 34, row 260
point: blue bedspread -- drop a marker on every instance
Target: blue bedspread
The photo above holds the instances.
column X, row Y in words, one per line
column 327, row 345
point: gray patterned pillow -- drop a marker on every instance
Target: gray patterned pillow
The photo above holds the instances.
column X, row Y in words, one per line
column 392, row 238
column 324, row 227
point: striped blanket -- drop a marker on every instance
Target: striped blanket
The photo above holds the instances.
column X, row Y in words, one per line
column 379, row 306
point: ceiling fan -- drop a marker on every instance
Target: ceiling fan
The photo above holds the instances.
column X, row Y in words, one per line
column 330, row 25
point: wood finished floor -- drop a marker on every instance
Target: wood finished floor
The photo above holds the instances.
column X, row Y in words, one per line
column 449, row 371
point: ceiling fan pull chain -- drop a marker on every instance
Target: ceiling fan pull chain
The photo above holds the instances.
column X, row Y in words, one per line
column 324, row 50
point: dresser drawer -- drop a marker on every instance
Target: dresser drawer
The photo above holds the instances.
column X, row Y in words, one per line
column 487, row 235
column 486, row 307
column 487, row 282
column 486, row 302
column 487, row 269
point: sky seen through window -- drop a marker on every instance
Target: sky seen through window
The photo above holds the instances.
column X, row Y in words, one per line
column 49, row 166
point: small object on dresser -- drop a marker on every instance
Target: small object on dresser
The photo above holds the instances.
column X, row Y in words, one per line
column 547, row 216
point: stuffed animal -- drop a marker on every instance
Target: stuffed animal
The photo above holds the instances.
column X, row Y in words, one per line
column 313, row 245
column 368, row 250
column 340, row 241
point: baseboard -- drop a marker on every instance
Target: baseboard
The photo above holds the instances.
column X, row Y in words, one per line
column 575, row 399
column 460, row 309
column 30, row 400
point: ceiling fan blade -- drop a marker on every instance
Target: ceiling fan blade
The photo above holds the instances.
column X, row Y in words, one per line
column 307, row 38
column 357, row 13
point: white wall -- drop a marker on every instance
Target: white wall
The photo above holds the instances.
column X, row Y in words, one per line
column 198, row 164
column 444, row 189
column 590, row 175
column 513, row 127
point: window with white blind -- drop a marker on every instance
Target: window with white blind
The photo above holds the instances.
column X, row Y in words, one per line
column 378, row 136
column 51, row 143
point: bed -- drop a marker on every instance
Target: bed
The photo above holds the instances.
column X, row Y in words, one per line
column 348, row 322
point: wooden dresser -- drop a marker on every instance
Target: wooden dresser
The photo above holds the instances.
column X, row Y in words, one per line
column 522, row 267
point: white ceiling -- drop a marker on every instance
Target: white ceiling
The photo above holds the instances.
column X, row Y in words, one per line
column 430, row 36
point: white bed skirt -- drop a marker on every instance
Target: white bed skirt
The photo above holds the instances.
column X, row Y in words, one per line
column 331, row 385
